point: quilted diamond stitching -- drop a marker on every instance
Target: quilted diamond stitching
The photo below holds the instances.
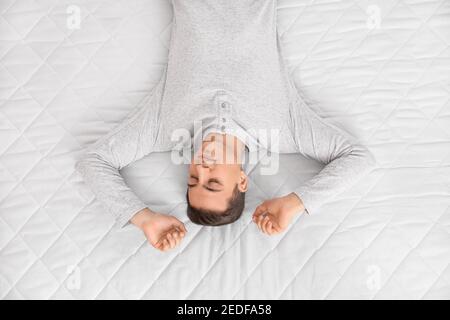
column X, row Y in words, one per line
column 52, row 149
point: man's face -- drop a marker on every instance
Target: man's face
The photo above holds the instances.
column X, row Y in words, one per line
column 214, row 172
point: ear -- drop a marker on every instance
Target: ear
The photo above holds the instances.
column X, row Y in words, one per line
column 243, row 182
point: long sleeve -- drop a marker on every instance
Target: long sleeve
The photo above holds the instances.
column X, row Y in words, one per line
column 345, row 160
column 128, row 142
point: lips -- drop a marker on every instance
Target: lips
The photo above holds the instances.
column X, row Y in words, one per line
column 204, row 157
column 208, row 159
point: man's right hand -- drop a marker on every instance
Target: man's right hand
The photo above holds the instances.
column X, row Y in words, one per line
column 163, row 232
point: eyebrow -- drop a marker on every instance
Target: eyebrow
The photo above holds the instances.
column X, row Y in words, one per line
column 205, row 186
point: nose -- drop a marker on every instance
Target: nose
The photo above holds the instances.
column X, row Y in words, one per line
column 205, row 164
column 202, row 171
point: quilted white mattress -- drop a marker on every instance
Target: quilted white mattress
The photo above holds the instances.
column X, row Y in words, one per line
column 71, row 69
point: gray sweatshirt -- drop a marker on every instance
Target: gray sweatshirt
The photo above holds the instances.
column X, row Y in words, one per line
column 224, row 66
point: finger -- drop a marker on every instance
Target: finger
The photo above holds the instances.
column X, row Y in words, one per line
column 260, row 221
column 180, row 226
column 158, row 245
column 182, row 230
column 264, row 224
column 259, row 211
column 270, row 229
column 165, row 245
column 276, row 227
column 171, row 240
column 177, row 238
column 174, row 238
column 269, row 226
column 255, row 219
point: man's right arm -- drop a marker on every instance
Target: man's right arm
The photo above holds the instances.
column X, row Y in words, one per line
column 128, row 142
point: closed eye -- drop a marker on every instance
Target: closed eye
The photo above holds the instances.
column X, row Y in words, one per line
column 214, row 180
column 192, row 181
column 213, row 184
column 211, row 189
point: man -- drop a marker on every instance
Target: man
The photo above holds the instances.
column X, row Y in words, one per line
column 225, row 73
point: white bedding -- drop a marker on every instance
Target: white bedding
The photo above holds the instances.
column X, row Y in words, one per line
column 378, row 69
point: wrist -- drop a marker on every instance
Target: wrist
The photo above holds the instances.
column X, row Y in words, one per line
column 142, row 218
column 295, row 202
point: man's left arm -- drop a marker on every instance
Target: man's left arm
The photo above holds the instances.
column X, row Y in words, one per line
column 345, row 161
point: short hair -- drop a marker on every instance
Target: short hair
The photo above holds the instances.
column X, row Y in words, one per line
column 207, row 217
